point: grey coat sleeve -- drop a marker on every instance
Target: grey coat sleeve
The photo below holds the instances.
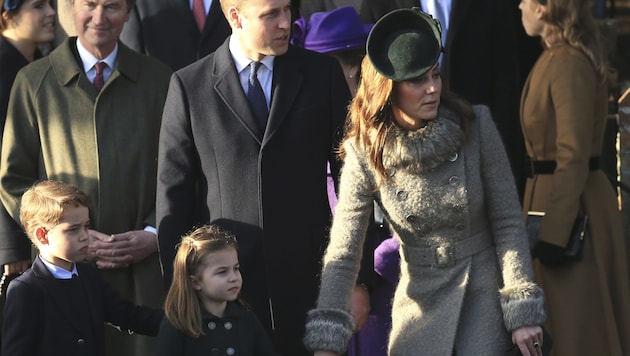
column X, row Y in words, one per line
column 521, row 299
column 330, row 326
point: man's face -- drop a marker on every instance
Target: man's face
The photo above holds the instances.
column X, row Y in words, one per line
column 262, row 27
column 99, row 23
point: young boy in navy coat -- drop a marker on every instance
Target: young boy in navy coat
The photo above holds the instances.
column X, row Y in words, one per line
column 60, row 306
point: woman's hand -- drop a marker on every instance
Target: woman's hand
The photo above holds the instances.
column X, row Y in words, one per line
column 529, row 340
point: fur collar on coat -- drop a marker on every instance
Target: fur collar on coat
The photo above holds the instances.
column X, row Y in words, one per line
column 424, row 149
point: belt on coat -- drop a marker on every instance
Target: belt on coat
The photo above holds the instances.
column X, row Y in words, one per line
column 533, row 167
column 446, row 254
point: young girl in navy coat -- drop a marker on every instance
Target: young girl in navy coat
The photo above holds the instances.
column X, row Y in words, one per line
column 204, row 315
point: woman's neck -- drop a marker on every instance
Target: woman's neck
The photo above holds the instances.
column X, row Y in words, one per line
column 26, row 47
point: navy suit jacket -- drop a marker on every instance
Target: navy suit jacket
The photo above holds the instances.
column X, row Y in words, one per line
column 166, row 30
column 66, row 317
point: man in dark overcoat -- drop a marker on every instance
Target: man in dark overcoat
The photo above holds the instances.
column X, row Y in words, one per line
column 263, row 179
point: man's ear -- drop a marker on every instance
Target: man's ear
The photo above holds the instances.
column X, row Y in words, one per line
column 234, row 17
column 41, row 235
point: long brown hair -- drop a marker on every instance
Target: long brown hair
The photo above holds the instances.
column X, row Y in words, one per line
column 182, row 306
column 571, row 21
column 370, row 118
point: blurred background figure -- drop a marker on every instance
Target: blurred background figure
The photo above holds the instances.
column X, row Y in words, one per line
column 563, row 115
column 177, row 32
column 24, row 24
column 338, row 33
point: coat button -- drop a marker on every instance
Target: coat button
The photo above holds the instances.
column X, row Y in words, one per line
column 454, row 181
column 80, row 341
column 230, row 351
column 227, row 325
column 411, row 218
column 401, row 195
column 212, row 325
column 453, row 157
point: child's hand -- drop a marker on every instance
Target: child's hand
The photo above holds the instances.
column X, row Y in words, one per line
column 121, row 250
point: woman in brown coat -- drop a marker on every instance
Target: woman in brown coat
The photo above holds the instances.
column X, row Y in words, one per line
column 563, row 114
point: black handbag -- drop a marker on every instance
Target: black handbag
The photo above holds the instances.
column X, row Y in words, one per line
column 575, row 245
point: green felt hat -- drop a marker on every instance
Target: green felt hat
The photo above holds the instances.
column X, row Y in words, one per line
column 405, row 44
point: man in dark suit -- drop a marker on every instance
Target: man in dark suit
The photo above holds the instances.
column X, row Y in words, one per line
column 167, row 30
column 480, row 61
column 263, row 179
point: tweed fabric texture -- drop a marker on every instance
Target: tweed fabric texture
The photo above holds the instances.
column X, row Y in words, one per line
column 444, row 189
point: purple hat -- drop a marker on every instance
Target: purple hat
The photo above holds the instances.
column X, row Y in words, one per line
column 330, row 31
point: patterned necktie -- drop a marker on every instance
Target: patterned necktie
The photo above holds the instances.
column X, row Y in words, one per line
column 99, row 81
column 199, row 12
column 256, row 96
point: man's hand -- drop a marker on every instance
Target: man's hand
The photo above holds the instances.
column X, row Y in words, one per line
column 17, row 267
column 121, row 250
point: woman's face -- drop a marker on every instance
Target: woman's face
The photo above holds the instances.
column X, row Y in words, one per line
column 34, row 21
column 415, row 101
column 531, row 17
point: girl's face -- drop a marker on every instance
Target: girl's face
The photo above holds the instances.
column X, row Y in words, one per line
column 34, row 21
column 218, row 280
column 531, row 17
column 414, row 101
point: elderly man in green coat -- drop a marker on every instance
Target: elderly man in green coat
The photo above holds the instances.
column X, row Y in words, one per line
column 89, row 114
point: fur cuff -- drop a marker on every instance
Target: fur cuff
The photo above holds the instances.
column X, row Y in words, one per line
column 328, row 330
column 522, row 305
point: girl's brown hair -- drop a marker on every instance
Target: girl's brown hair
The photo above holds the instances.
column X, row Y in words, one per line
column 182, row 306
column 370, row 118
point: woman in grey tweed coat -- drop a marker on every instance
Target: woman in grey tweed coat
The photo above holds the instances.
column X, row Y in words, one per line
column 438, row 169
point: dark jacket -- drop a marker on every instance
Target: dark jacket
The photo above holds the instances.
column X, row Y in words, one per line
column 238, row 330
column 166, row 30
column 14, row 245
column 48, row 316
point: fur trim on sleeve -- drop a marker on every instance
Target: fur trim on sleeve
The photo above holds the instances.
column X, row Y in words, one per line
column 328, row 330
column 522, row 305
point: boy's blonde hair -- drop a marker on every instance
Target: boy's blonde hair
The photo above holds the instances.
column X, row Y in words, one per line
column 182, row 307
column 44, row 203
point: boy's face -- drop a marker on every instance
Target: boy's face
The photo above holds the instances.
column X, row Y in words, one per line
column 67, row 242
